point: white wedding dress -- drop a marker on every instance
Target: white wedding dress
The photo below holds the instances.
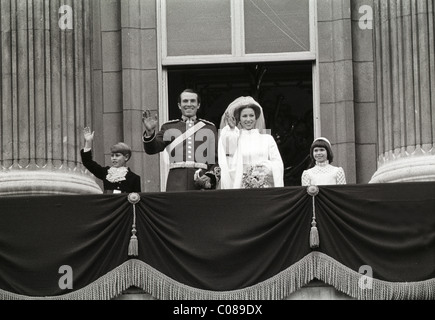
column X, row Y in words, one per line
column 248, row 158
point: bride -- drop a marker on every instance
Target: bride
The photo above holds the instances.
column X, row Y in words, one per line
column 248, row 157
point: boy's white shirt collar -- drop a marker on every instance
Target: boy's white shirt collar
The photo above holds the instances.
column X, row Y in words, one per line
column 116, row 174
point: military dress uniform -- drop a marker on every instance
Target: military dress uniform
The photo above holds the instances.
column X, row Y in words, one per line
column 198, row 151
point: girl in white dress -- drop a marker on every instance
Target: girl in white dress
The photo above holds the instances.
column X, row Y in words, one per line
column 248, row 157
column 321, row 171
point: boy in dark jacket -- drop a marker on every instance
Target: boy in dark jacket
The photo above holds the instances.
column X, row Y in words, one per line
column 118, row 178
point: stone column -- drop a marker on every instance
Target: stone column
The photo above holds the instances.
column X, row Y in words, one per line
column 140, row 83
column 405, row 82
column 366, row 138
column 45, row 96
column 336, row 82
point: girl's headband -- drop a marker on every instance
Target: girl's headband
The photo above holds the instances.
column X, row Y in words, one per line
column 323, row 139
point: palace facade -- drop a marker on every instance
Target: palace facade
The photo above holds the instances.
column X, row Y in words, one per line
column 359, row 72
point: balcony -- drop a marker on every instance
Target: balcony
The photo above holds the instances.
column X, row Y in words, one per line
column 374, row 241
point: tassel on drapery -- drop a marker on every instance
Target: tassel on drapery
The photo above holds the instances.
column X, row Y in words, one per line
column 133, row 249
column 314, row 233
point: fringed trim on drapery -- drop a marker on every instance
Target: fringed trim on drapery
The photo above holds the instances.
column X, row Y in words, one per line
column 315, row 265
column 106, row 287
column 349, row 282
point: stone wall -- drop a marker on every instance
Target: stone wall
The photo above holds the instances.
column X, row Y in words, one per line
column 125, row 80
column 335, row 61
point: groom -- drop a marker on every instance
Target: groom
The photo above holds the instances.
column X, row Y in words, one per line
column 190, row 143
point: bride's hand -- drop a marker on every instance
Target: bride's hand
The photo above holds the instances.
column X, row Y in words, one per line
column 266, row 166
column 231, row 121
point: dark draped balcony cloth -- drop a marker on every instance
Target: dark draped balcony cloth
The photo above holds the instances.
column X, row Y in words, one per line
column 222, row 244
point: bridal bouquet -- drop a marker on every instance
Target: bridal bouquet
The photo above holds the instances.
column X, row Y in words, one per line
column 257, row 176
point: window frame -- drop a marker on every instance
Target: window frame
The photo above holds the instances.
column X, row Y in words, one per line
column 237, row 55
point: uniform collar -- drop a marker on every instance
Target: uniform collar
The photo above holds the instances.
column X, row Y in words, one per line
column 186, row 119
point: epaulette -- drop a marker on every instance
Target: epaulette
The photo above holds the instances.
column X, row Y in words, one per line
column 208, row 122
column 171, row 121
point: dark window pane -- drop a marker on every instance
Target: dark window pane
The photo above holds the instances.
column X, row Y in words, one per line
column 284, row 90
column 274, row 26
column 198, row 27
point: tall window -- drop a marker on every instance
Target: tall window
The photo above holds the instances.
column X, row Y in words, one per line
column 237, row 30
column 198, row 27
column 227, row 48
column 273, row 26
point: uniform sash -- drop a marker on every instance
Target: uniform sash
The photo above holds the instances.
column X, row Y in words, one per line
column 189, row 132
